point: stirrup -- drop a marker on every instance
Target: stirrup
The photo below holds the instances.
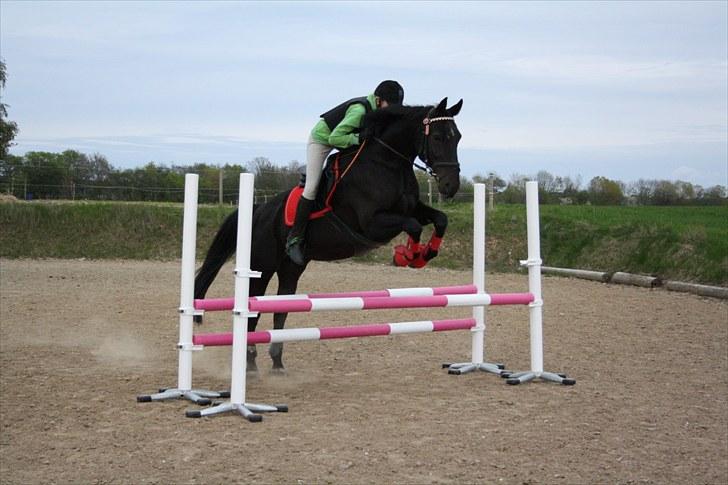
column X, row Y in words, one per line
column 296, row 251
column 290, row 242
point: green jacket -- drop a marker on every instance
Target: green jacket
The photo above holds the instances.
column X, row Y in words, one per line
column 342, row 136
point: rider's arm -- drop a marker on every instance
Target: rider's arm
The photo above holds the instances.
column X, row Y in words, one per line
column 342, row 136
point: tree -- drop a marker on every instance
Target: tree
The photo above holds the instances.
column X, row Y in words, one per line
column 271, row 179
column 549, row 187
column 715, row 195
column 99, row 168
column 515, row 192
column 547, row 183
column 603, row 191
column 498, row 183
column 47, row 175
column 8, row 129
column 666, row 193
column 686, row 191
column 642, row 190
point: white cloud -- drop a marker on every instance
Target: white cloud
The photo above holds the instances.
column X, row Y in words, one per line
column 686, row 173
column 658, row 75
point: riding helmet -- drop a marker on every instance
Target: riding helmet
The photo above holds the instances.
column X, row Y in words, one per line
column 390, row 91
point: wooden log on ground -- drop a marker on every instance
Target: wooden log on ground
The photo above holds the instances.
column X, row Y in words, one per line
column 702, row 290
column 636, row 280
column 577, row 273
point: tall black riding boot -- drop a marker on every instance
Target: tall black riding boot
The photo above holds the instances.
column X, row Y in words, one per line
column 295, row 245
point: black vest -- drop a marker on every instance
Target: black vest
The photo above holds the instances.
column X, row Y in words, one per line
column 334, row 116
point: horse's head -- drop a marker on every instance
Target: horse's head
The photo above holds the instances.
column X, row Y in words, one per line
column 439, row 148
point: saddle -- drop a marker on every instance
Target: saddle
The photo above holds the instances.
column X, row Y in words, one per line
column 336, row 165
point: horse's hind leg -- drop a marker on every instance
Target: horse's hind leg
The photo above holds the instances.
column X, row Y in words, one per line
column 288, row 276
column 257, row 288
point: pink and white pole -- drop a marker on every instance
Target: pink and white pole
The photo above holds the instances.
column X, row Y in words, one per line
column 221, row 304
column 186, row 308
column 534, row 287
column 241, row 313
column 478, row 332
column 328, row 333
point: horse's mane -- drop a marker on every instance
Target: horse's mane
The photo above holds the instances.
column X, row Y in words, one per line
column 382, row 118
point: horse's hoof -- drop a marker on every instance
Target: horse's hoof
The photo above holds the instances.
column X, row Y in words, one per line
column 278, row 371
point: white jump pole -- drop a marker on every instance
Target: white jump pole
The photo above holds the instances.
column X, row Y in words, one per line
column 241, row 313
column 478, row 332
column 186, row 307
column 187, row 283
column 535, row 312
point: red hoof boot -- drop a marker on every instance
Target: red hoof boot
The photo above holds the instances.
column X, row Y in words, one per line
column 402, row 256
column 418, row 262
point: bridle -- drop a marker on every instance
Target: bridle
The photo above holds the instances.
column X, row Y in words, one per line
column 423, row 152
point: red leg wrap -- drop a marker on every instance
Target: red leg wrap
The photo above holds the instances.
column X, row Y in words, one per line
column 432, row 248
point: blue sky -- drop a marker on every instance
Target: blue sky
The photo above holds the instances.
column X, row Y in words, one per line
column 619, row 89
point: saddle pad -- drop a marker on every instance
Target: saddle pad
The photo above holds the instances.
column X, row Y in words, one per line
column 292, row 204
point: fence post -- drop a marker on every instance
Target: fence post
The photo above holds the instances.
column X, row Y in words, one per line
column 219, row 187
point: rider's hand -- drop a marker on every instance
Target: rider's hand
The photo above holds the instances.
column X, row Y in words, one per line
column 365, row 134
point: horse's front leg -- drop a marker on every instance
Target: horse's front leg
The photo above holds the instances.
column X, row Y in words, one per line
column 387, row 225
column 426, row 215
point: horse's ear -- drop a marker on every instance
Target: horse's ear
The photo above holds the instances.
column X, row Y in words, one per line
column 442, row 106
column 454, row 110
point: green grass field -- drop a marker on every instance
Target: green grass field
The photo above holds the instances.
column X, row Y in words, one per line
column 101, row 230
column 683, row 243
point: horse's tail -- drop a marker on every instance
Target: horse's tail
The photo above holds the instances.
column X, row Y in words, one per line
column 221, row 249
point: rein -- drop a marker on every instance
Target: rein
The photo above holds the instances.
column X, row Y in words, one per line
column 356, row 157
column 424, row 168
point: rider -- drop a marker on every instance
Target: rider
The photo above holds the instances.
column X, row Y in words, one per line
column 337, row 128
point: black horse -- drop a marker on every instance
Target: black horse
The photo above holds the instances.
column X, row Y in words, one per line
column 375, row 201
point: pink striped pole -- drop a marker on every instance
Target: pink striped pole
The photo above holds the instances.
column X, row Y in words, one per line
column 388, row 302
column 222, row 304
column 327, row 333
column 298, row 303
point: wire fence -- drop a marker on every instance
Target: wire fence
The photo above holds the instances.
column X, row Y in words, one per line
column 130, row 193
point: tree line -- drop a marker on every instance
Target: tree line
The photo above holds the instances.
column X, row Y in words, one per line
column 75, row 175
column 554, row 189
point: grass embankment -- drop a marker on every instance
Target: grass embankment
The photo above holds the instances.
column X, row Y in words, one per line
column 101, row 230
column 682, row 243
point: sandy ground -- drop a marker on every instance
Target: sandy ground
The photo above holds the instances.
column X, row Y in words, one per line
column 80, row 339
